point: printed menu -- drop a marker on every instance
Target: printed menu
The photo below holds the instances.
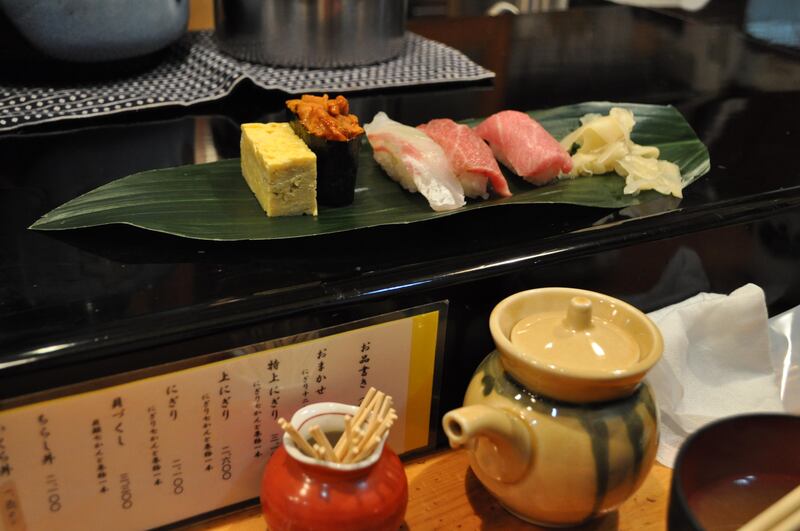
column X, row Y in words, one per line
column 169, row 447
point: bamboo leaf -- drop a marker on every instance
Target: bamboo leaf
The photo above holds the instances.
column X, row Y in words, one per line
column 212, row 201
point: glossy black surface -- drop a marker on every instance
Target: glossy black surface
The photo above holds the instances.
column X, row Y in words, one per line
column 83, row 303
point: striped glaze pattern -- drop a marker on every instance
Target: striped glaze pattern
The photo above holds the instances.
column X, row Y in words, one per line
column 587, row 459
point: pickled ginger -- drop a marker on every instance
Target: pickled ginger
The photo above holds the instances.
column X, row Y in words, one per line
column 605, row 146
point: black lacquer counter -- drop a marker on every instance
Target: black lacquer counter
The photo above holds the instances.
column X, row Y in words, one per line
column 80, row 304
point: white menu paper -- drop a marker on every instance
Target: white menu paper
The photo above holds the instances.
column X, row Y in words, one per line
column 165, row 448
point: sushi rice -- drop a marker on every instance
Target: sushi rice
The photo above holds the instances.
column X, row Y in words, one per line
column 416, row 162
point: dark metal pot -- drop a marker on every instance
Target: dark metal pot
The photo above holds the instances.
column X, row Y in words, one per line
column 311, row 33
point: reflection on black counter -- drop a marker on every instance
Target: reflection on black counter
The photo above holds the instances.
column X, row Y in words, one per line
column 40, row 173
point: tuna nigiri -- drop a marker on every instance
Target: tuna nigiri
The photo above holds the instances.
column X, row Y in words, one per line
column 471, row 159
column 415, row 161
column 524, row 146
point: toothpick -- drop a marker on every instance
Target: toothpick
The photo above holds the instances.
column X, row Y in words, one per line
column 320, row 452
column 344, row 441
column 323, row 441
column 373, row 427
column 356, row 435
column 350, row 456
column 341, row 442
column 368, row 449
column 385, row 425
column 387, row 404
column 298, row 439
column 362, row 408
column 379, row 406
column 363, row 431
column 375, row 402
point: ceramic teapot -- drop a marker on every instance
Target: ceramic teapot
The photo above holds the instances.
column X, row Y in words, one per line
column 559, row 426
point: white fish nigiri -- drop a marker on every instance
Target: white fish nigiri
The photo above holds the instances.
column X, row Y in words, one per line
column 415, row 161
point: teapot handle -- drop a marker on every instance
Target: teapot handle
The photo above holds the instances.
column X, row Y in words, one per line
column 501, row 442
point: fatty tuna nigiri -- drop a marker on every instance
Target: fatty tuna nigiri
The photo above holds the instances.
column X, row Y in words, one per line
column 524, row 146
column 415, row 161
column 470, row 157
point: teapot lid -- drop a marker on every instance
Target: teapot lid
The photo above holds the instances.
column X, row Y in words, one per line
column 574, row 345
column 574, row 337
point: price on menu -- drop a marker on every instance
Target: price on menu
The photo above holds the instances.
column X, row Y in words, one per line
column 169, row 447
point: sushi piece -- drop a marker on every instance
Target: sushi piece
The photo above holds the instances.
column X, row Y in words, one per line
column 524, row 146
column 279, row 169
column 415, row 161
column 334, row 135
column 471, row 159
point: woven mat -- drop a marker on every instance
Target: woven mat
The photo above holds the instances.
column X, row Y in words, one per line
column 195, row 71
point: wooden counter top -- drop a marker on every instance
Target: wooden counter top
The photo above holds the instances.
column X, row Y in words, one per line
column 445, row 494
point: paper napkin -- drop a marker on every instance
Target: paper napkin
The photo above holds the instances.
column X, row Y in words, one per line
column 716, row 363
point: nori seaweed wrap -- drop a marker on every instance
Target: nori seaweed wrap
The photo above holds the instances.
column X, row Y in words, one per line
column 335, row 137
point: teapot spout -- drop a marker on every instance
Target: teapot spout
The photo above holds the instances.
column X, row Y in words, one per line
column 501, row 442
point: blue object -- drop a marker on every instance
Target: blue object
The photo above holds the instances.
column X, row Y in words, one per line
column 98, row 30
column 774, row 21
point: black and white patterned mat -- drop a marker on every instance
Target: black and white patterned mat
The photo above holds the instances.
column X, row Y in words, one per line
column 195, row 71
